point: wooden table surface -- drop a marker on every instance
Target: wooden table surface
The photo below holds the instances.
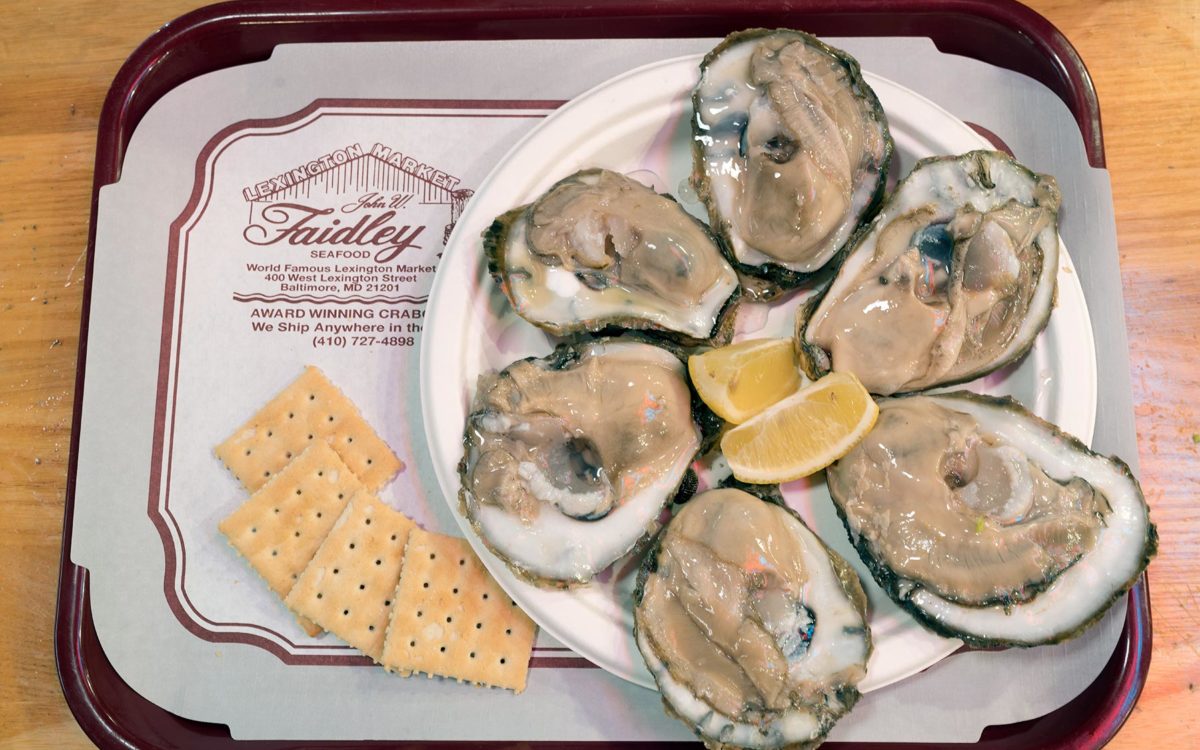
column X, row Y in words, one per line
column 58, row 58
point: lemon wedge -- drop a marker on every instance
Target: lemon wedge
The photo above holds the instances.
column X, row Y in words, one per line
column 803, row 433
column 741, row 380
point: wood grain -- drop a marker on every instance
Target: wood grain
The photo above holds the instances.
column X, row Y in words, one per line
column 58, row 58
column 1143, row 59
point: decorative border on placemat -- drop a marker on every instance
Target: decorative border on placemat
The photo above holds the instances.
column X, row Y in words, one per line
column 170, row 343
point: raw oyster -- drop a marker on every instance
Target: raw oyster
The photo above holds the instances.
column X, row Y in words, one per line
column 791, row 151
column 754, row 630
column 600, row 250
column 569, row 459
column 955, row 278
column 988, row 523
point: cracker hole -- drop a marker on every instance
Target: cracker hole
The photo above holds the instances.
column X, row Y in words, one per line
column 501, row 659
column 310, row 436
column 345, row 613
column 253, row 529
column 291, row 415
column 393, row 537
column 319, row 595
column 277, row 510
column 289, row 454
column 274, row 553
column 479, row 626
column 297, row 533
column 351, row 545
column 341, row 495
column 349, row 438
column 412, row 644
column 247, row 451
column 442, row 649
column 371, row 628
column 312, row 397
column 425, row 585
column 369, row 462
column 485, row 596
column 462, row 562
column 335, row 571
column 266, row 473
column 508, row 631
column 299, row 492
column 455, row 590
column 379, row 562
column 362, row 586
column 269, row 433
column 472, row 654
column 418, row 613
column 318, row 514
column 387, row 602
column 449, row 618
column 330, row 417
column 432, row 555
column 368, row 522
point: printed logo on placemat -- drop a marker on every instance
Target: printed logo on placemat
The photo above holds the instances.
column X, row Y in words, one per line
column 357, row 224
column 307, row 204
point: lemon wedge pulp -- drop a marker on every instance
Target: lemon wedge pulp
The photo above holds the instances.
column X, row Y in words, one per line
column 741, row 380
column 803, row 433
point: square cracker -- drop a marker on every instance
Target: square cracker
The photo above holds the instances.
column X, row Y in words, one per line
column 452, row 619
column 308, row 410
column 279, row 529
column 348, row 586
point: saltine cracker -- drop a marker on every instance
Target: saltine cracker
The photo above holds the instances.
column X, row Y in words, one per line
column 279, row 529
column 308, row 410
column 452, row 619
column 348, row 586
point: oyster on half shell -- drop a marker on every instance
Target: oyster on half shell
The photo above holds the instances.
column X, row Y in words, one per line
column 755, row 632
column 988, row 523
column 791, row 150
column 955, row 278
column 599, row 250
column 569, row 459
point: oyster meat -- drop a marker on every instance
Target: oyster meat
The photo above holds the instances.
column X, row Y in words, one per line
column 569, row 459
column 791, row 151
column 756, row 632
column 988, row 523
column 955, row 278
column 601, row 250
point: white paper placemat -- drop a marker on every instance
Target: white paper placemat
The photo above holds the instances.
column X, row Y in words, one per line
column 224, row 221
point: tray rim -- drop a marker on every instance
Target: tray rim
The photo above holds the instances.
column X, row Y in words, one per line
column 175, row 54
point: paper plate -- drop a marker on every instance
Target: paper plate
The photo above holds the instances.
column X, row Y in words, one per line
column 638, row 124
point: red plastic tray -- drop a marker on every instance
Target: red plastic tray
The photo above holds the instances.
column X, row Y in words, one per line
column 1000, row 32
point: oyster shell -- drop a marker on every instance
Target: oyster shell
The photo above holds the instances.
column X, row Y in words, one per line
column 755, row 632
column 600, row 250
column 791, row 151
column 988, row 523
column 569, row 459
column 955, row 278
